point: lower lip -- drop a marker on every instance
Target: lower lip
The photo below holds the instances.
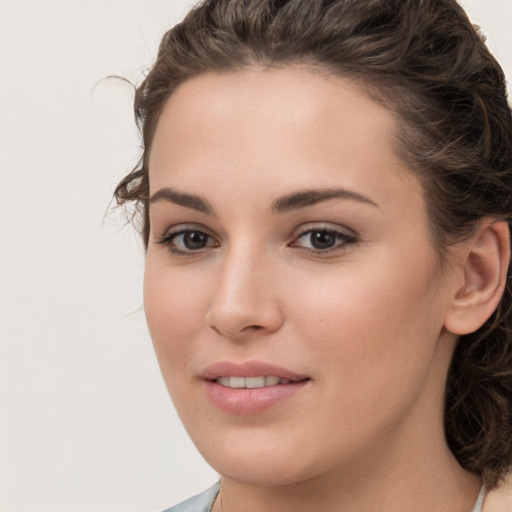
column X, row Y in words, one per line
column 250, row 400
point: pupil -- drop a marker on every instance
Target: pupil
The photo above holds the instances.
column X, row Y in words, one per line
column 195, row 240
column 322, row 239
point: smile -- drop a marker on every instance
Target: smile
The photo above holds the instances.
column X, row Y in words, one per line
column 251, row 382
column 250, row 387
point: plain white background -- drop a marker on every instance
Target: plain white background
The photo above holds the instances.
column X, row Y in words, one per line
column 86, row 423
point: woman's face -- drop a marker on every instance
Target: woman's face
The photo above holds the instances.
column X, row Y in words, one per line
column 292, row 290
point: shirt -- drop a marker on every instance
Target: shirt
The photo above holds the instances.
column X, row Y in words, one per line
column 200, row 503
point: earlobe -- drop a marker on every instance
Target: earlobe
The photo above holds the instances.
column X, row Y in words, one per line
column 484, row 265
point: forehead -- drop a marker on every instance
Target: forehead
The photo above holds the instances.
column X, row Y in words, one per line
column 278, row 125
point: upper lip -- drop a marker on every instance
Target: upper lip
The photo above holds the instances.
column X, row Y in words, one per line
column 248, row 369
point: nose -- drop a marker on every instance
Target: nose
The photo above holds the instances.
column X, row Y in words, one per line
column 245, row 302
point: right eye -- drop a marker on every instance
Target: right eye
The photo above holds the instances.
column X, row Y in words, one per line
column 187, row 241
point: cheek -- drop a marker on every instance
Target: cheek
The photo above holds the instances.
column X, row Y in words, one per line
column 373, row 318
column 366, row 334
column 174, row 311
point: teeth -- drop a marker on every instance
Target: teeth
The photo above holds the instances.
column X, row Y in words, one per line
column 237, row 382
column 271, row 381
column 251, row 382
column 254, row 382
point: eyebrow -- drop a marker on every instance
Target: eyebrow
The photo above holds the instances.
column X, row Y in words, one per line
column 304, row 198
column 191, row 201
column 289, row 202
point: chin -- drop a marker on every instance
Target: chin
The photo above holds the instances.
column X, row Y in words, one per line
column 260, row 464
column 259, row 472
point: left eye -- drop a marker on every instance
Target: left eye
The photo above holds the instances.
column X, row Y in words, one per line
column 323, row 240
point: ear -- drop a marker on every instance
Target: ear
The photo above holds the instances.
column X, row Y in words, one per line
column 484, row 262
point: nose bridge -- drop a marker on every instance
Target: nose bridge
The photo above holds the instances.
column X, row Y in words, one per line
column 245, row 299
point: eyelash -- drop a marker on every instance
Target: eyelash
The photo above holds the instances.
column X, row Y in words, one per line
column 342, row 241
column 168, row 241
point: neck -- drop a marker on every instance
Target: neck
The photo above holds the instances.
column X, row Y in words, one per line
column 456, row 492
column 429, row 479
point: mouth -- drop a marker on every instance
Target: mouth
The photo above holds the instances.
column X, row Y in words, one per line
column 254, row 382
column 250, row 374
column 251, row 387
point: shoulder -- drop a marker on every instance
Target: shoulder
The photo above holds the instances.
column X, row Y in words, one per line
column 500, row 499
column 200, row 503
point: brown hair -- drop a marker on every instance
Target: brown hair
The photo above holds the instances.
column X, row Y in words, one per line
column 425, row 61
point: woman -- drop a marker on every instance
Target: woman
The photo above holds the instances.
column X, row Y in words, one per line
column 325, row 192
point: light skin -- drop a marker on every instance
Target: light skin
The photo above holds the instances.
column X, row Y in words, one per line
column 286, row 230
